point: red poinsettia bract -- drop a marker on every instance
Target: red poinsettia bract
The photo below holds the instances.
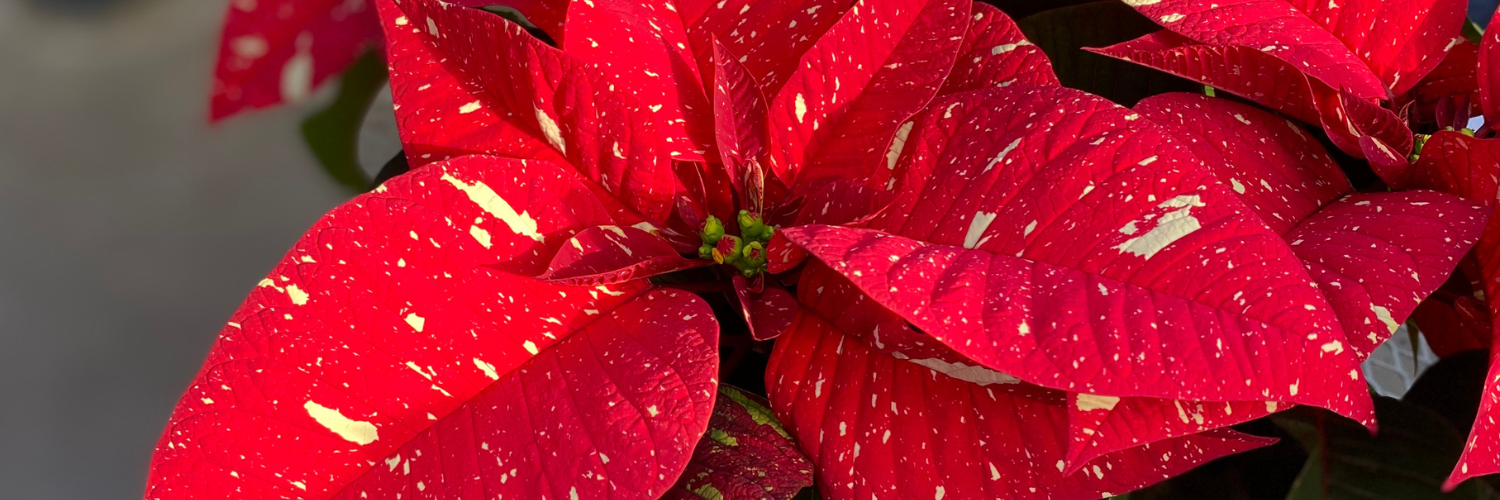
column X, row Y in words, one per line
column 1326, row 63
column 277, row 51
column 1459, row 163
column 981, row 284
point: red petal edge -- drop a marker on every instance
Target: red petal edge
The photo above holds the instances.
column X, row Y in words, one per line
column 388, row 354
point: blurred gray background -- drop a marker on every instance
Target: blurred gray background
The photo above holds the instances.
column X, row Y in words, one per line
column 129, row 229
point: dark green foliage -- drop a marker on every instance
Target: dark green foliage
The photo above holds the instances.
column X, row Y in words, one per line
column 1061, row 33
column 333, row 133
column 1407, row 460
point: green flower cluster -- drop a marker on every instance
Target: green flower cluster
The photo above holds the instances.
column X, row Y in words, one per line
column 746, row 252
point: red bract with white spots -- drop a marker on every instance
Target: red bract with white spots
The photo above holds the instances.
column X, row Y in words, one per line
column 1457, row 162
column 1374, row 256
column 1002, row 292
column 1487, row 75
column 1325, row 64
column 276, row 51
column 980, row 284
column 746, row 454
column 401, row 349
column 1449, row 95
column 1470, row 167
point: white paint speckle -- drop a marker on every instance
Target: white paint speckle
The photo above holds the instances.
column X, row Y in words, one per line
column 480, row 235
column 491, row 202
column 998, row 158
column 249, row 46
column 1170, row 227
column 1093, row 402
column 973, row 374
column 416, row 322
column 298, row 296
column 1007, row 47
column 977, row 227
column 297, row 74
column 354, row 431
column 1384, row 315
column 551, row 131
column 488, row 369
column 897, row 144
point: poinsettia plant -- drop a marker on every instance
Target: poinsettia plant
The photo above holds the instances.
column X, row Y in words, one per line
column 939, row 256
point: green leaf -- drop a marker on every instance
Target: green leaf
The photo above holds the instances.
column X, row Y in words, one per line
column 333, row 133
column 1407, row 460
column 1453, row 387
column 1309, row 485
column 1061, row 33
column 1473, row 31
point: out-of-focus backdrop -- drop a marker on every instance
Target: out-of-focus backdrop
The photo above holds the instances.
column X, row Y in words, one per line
column 130, row 229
